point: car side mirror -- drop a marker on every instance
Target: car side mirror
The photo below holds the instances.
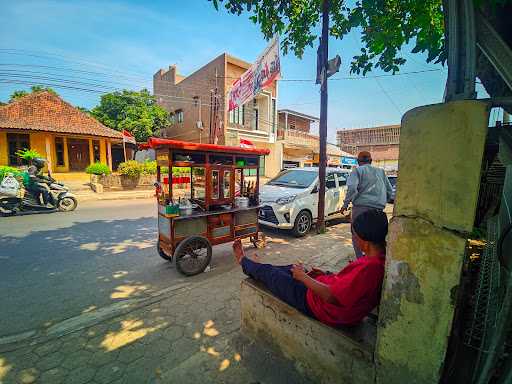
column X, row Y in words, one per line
column 315, row 189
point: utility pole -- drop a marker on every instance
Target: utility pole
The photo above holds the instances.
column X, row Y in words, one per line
column 324, row 53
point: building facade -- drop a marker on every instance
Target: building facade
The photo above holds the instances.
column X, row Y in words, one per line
column 301, row 148
column 382, row 142
column 198, row 102
column 69, row 139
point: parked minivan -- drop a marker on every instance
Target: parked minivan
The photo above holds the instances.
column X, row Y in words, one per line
column 290, row 200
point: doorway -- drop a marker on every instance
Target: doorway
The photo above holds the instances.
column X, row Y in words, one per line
column 78, row 153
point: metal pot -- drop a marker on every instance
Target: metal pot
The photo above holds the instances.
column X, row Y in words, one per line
column 242, row 202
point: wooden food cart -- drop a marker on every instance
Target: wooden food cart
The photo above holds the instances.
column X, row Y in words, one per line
column 222, row 185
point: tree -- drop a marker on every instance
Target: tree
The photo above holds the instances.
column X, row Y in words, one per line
column 386, row 26
column 34, row 89
column 137, row 112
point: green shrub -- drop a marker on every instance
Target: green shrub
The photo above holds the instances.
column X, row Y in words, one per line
column 28, row 154
column 98, row 169
column 130, row 168
column 4, row 169
column 149, row 167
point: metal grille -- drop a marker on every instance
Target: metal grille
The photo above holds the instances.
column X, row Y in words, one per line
column 486, row 298
column 267, row 214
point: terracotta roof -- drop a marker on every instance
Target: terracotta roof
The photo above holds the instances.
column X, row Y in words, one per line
column 43, row 111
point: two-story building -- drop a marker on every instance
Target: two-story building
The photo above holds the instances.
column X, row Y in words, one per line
column 383, row 142
column 198, row 102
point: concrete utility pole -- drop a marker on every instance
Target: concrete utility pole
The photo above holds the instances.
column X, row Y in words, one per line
column 324, row 53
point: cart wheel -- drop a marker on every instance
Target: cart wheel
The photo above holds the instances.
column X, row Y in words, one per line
column 193, row 255
column 161, row 252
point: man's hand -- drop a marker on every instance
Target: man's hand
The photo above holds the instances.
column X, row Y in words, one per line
column 343, row 210
column 298, row 272
column 315, row 272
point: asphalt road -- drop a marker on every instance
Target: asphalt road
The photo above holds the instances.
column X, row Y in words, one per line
column 57, row 266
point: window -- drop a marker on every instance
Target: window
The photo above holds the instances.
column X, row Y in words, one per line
column 330, row 182
column 196, row 101
column 237, row 115
column 198, row 183
column 179, row 115
column 342, row 178
column 292, row 124
column 255, row 119
column 16, row 142
column 262, row 165
column 227, row 184
column 96, row 150
column 59, row 150
column 215, row 184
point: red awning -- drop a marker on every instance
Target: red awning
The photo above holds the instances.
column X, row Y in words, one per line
column 176, row 144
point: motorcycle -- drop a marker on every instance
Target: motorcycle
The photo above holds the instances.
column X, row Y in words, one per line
column 25, row 203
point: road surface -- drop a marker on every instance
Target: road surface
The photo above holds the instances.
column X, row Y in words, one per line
column 57, row 266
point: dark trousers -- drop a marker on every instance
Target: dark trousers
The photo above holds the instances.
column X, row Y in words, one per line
column 279, row 281
column 39, row 190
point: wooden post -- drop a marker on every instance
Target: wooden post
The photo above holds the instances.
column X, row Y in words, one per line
column 324, row 48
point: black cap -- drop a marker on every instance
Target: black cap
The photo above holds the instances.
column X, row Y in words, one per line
column 371, row 226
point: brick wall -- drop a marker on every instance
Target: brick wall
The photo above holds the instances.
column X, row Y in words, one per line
column 174, row 92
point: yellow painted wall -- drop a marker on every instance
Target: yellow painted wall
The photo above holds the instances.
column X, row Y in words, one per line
column 273, row 161
column 103, row 151
column 3, row 149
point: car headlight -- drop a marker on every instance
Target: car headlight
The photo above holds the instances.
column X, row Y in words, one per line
column 286, row 199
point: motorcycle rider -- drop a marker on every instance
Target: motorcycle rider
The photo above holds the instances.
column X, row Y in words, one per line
column 38, row 183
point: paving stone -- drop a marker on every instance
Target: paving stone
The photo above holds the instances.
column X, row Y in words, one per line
column 102, row 357
column 48, row 348
column 28, row 376
column 131, row 353
column 80, row 375
column 53, row 376
column 50, row 361
column 109, row 373
column 77, row 359
column 173, row 333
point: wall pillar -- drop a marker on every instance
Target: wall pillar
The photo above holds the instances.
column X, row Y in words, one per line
column 441, row 149
column 48, row 150
column 91, row 152
column 109, row 154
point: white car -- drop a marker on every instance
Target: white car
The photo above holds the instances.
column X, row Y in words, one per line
column 290, row 200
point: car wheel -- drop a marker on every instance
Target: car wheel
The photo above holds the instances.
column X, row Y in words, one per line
column 303, row 223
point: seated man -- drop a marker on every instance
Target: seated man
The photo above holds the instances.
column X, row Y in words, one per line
column 344, row 298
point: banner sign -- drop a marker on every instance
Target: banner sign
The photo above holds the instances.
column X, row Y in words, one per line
column 262, row 73
column 348, row 160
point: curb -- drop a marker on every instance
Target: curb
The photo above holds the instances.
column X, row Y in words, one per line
column 109, row 196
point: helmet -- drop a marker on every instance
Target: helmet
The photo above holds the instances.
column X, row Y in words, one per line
column 38, row 162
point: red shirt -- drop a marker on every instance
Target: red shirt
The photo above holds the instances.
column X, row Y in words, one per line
column 357, row 289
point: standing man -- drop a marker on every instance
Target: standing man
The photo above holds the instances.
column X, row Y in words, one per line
column 367, row 188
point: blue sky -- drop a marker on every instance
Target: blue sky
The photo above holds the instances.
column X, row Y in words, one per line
column 123, row 43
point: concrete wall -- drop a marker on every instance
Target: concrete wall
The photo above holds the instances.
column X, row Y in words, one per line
column 441, row 149
column 324, row 354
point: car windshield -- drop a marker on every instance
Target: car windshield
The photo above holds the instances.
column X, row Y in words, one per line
column 294, row 178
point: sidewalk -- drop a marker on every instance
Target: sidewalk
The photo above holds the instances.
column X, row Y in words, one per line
column 88, row 195
column 186, row 334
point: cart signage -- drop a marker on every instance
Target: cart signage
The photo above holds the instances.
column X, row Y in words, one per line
column 262, row 73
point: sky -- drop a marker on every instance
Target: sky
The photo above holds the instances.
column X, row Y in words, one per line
column 106, row 45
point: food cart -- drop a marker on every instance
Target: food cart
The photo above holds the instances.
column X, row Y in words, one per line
column 207, row 195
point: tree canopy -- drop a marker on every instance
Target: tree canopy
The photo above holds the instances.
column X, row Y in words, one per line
column 385, row 26
column 34, row 89
column 136, row 112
